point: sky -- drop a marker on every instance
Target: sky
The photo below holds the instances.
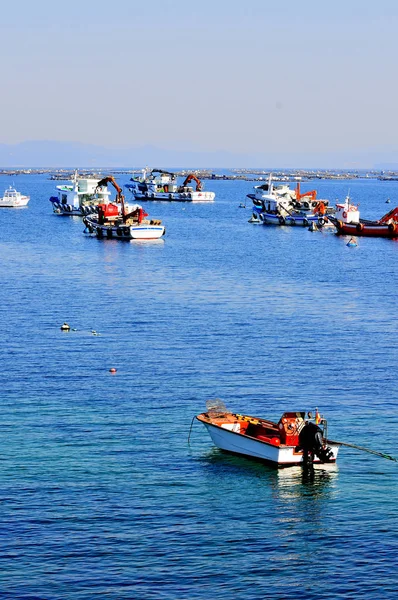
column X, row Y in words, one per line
column 294, row 80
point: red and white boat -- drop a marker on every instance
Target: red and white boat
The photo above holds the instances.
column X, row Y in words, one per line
column 120, row 221
column 296, row 439
column 348, row 222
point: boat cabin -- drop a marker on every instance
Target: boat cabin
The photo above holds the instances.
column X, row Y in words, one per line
column 82, row 191
column 347, row 212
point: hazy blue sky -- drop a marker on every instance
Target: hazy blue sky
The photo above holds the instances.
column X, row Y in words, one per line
column 252, row 76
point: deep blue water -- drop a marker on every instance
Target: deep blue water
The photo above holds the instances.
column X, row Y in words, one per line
column 100, row 494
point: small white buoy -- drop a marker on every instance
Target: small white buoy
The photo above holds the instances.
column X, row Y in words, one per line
column 65, row 327
column 388, row 201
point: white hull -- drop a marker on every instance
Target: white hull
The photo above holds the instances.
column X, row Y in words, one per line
column 291, row 220
column 281, row 456
column 176, row 196
column 15, row 204
column 143, row 231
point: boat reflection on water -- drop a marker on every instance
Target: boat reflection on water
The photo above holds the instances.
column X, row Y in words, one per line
column 285, row 483
column 313, row 480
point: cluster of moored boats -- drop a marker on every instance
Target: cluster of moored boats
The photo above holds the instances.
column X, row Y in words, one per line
column 298, row 437
column 280, row 205
column 273, row 204
column 90, row 198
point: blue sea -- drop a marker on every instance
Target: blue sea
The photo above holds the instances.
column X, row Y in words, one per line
column 101, row 496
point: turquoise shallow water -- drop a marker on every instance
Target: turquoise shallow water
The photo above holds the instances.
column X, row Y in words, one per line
column 100, row 494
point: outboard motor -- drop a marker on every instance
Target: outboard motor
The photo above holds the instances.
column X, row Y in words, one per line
column 311, row 442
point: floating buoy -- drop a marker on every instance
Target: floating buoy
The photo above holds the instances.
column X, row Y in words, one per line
column 112, row 370
column 388, row 201
column 65, row 327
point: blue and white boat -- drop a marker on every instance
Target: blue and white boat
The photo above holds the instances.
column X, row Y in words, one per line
column 280, row 205
column 156, row 184
column 81, row 197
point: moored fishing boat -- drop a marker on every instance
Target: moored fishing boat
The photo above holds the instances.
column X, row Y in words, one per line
column 122, row 221
column 13, row 199
column 348, row 222
column 81, row 197
column 280, row 205
column 295, row 439
column 162, row 185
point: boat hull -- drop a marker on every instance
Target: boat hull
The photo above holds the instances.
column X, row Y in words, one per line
column 143, row 231
column 278, row 456
column 23, row 201
column 69, row 210
column 175, row 196
column 290, row 220
column 366, row 229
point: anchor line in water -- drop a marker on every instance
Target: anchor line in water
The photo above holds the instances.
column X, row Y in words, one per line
column 190, row 429
column 381, row 454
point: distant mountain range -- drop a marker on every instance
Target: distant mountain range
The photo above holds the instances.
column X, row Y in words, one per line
column 52, row 154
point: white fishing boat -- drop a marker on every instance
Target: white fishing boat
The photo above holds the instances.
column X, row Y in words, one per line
column 297, row 438
column 280, row 205
column 13, row 199
column 122, row 221
column 81, row 197
column 162, row 185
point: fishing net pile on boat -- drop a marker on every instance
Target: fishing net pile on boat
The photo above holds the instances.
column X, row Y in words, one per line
column 216, row 408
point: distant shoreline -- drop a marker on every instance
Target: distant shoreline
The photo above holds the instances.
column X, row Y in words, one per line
column 288, row 175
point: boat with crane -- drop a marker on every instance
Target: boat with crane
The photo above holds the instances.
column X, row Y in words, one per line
column 157, row 184
column 348, row 222
column 280, row 205
column 119, row 220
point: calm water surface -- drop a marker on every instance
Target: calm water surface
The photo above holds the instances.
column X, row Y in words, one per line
column 101, row 496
